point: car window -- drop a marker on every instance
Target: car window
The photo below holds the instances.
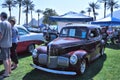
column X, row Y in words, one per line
column 94, row 33
column 81, row 33
column 64, row 32
column 22, row 31
column 84, row 33
column 74, row 32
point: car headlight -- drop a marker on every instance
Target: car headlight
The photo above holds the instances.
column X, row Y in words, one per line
column 34, row 53
column 73, row 59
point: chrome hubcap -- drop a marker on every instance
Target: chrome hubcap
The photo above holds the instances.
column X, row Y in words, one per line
column 83, row 66
column 31, row 48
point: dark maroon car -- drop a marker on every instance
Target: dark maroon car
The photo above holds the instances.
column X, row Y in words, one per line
column 71, row 52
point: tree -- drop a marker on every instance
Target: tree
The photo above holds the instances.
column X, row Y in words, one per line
column 9, row 4
column 94, row 6
column 105, row 6
column 27, row 4
column 47, row 13
column 39, row 11
column 31, row 8
column 19, row 2
column 89, row 10
column 111, row 5
column 96, row 14
column 82, row 12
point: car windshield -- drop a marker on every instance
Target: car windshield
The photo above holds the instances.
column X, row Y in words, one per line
column 78, row 32
column 22, row 31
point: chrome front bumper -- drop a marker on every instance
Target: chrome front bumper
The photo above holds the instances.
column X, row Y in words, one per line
column 53, row 71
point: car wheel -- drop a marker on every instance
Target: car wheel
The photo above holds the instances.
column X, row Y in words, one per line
column 102, row 51
column 31, row 48
column 82, row 67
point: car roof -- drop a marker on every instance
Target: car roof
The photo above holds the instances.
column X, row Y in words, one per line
column 83, row 25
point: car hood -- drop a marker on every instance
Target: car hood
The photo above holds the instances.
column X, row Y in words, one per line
column 66, row 42
column 32, row 36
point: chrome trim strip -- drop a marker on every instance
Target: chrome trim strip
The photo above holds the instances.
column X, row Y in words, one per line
column 53, row 71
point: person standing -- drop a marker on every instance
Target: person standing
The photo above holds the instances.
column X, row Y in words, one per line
column 5, row 44
column 15, row 38
column 104, row 34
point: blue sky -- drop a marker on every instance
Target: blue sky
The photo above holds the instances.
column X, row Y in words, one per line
column 60, row 6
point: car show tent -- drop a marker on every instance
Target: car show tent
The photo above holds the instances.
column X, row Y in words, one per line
column 108, row 21
column 72, row 16
column 69, row 18
column 113, row 20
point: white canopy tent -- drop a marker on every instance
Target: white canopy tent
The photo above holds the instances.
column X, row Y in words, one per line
column 69, row 18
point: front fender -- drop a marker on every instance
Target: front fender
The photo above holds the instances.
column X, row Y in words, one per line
column 42, row 49
column 79, row 53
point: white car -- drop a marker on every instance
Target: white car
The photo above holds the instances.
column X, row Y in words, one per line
column 27, row 40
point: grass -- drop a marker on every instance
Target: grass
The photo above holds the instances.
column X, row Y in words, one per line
column 104, row 68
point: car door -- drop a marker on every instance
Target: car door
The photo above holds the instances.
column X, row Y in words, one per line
column 92, row 44
column 96, row 37
column 22, row 39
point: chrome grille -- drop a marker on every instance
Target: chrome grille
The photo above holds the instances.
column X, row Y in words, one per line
column 52, row 62
column 53, row 51
column 63, row 61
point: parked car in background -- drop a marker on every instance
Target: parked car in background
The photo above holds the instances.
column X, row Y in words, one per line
column 110, row 32
column 28, row 40
column 113, row 35
column 50, row 35
column 70, row 53
column 33, row 29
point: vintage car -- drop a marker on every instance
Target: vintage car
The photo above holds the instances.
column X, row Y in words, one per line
column 27, row 40
column 49, row 35
column 70, row 53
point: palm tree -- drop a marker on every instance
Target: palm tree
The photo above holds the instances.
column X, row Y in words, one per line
column 89, row 10
column 19, row 2
column 27, row 4
column 96, row 14
column 31, row 8
column 94, row 6
column 111, row 5
column 39, row 11
column 9, row 4
column 105, row 6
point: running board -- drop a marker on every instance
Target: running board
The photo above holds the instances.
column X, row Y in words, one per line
column 53, row 71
